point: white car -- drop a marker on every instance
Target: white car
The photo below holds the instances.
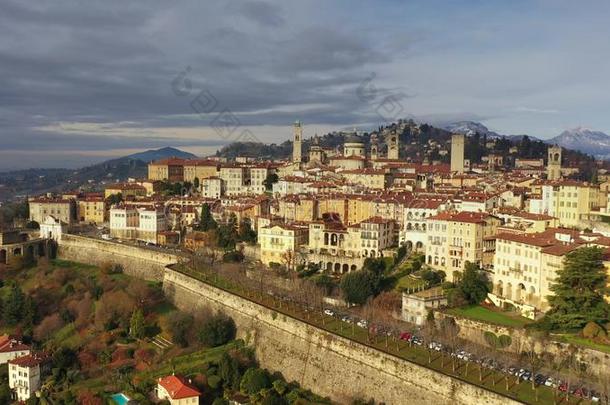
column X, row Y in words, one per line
column 362, row 323
column 329, row 312
column 105, row 236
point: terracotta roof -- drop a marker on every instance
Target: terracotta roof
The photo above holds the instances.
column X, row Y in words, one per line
column 464, row 216
column 31, row 360
column 178, row 387
column 9, row 344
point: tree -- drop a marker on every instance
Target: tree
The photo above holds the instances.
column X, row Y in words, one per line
column 179, row 326
column 137, row 324
column 270, row 180
column 228, row 370
column 356, row 287
column 216, row 331
column 114, row 199
column 246, row 233
column 196, row 183
column 578, row 291
column 473, row 284
column 254, row 380
column 14, row 306
column 207, row 221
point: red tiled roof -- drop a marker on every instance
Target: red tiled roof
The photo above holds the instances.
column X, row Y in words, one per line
column 31, row 360
column 10, row 344
column 178, row 388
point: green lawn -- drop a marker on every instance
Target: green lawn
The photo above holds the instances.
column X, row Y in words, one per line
column 479, row 313
column 408, row 282
column 580, row 341
column 190, row 363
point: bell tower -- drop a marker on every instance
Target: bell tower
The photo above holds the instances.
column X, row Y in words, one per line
column 553, row 166
column 297, row 129
column 393, row 145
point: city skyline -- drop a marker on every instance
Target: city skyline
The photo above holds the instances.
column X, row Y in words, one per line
column 80, row 86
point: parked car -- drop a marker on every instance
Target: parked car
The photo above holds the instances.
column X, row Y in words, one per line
column 362, row 323
column 347, row 318
column 405, row 336
column 329, row 312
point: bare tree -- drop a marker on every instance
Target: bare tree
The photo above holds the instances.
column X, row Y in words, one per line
column 449, row 333
column 429, row 332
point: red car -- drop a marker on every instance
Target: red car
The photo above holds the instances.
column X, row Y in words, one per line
column 405, row 336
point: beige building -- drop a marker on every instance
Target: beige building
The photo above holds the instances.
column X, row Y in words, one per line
column 62, row 209
column 369, row 178
column 525, row 266
column 280, row 244
column 125, row 189
column 457, row 238
column 199, row 169
column 415, row 306
column 137, row 223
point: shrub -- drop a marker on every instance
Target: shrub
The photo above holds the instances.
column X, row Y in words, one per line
column 593, row 331
column 111, row 268
column 217, row 331
column 234, row 256
column 254, row 380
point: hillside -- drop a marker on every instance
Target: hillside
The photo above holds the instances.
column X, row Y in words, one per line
column 156, row 154
column 20, row 183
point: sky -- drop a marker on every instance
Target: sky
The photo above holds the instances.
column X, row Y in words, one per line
column 81, row 82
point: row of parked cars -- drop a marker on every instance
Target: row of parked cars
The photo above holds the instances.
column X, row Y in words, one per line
column 521, row 373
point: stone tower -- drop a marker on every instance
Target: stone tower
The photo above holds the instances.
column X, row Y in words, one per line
column 553, row 167
column 297, row 129
column 457, row 153
column 393, row 145
column 374, row 147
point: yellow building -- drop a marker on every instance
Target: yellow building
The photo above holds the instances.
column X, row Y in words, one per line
column 333, row 205
column 171, row 169
column 299, row 208
column 92, row 210
column 574, row 201
column 200, row 169
column 370, row 178
column 125, row 189
column 280, row 244
column 456, row 238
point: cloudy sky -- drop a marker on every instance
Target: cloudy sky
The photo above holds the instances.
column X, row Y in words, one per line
column 84, row 81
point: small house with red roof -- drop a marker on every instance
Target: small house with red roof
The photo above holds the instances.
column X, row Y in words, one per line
column 12, row 347
column 177, row 390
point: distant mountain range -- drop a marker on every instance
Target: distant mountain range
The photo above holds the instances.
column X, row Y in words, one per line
column 38, row 181
column 595, row 143
column 163, row 153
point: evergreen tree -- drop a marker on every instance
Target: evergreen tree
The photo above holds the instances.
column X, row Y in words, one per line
column 246, row 233
column 207, row 222
column 14, row 306
column 473, row 285
column 137, row 324
column 578, row 291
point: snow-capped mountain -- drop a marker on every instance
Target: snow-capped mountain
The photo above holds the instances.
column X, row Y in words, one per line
column 585, row 140
column 470, row 128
